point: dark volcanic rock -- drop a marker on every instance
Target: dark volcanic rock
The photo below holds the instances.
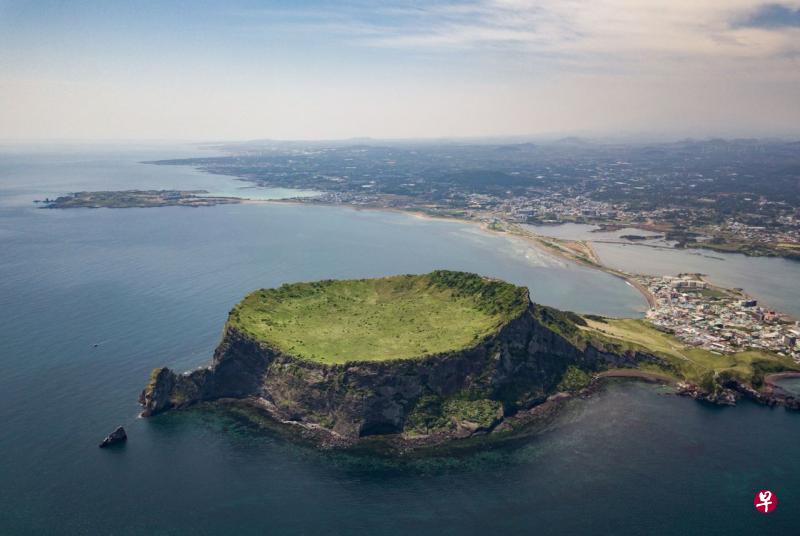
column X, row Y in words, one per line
column 720, row 396
column 770, row 397
column 728, row 392
column 156, row 397
column 115, row 437
column 792, row 403
column 516, row 369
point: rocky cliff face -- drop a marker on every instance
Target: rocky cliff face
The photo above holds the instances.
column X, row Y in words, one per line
column 515, row 369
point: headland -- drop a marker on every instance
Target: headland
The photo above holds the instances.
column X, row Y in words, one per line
column 421, row 360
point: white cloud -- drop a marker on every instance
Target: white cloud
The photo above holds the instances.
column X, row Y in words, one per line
column 615, row 30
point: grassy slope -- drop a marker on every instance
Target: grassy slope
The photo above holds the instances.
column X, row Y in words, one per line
column 692, row 364
column 378, row 319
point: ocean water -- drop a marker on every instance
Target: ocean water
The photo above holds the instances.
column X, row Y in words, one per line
column 92, row 300
column 31, row 172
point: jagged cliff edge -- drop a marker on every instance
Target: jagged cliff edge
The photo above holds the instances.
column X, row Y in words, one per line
column 454, row 394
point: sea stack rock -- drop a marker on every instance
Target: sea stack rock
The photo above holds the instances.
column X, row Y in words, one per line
column 117, row 436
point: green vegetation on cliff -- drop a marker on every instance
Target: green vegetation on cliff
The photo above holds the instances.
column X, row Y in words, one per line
column 433, row 414
column 682, row 362
column 379, row 319
column 574, row 379
column 565, row 323
column 695, row 365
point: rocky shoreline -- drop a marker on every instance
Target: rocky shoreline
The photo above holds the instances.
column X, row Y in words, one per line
column 495, row 386
column 464, row 435
column 731, row 391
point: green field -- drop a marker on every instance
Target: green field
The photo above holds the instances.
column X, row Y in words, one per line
column 693, row 364
column 396, row 317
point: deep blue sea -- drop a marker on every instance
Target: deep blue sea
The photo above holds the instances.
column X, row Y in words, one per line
column 152, row 287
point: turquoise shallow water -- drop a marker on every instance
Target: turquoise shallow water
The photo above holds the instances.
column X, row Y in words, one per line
column 153, row 286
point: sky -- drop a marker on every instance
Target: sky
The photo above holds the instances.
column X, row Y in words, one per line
column 235, row 70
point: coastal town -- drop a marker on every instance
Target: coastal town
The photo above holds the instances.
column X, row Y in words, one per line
column 719, row 320
column 684, row 227
column 728, row 196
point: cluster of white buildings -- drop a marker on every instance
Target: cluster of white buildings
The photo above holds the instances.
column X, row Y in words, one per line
column 718, row 320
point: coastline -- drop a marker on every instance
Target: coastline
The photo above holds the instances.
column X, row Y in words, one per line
column 579, row 252
column 595, row 262
column 542, row 243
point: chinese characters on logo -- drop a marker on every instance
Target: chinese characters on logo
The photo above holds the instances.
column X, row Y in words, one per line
column 765, row 501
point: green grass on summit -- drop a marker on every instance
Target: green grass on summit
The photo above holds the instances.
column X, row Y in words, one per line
column 398, row 317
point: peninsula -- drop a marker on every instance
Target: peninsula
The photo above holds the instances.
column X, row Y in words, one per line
column 418, row 360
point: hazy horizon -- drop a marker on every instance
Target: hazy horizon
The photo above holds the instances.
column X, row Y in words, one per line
column 480, row 69
column 631, row 139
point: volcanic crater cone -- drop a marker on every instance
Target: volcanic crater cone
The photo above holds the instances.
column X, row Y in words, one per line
column 422, row 357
